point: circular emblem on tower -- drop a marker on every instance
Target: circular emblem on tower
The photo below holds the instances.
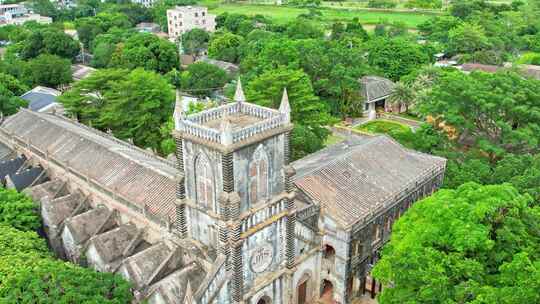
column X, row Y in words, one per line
column 261, row 258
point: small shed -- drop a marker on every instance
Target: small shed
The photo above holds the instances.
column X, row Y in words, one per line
column 375, row 90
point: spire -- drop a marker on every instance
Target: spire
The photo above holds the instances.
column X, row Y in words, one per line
column 285, row 107
column 189, row 299
column 239, row 94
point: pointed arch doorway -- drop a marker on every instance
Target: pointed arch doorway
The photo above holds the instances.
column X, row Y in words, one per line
column 303, row 289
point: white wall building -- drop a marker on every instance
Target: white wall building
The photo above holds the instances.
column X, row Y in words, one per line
column 16, row 14
column 145, row 3
column 185, row 18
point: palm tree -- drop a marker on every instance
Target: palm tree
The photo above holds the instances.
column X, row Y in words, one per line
column 402, row 96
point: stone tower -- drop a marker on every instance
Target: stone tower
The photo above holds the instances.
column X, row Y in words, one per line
column 235, row 194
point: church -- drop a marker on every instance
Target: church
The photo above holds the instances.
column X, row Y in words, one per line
column 232, row 219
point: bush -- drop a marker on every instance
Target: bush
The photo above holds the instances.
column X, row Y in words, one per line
column 382, row 4
column 529, row 58
column 424, row 4
column 60, row 282
column 18, row 210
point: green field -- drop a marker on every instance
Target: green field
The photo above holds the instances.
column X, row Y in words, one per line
column 283, row 14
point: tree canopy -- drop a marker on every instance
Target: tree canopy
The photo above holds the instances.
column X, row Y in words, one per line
column 10, row 90
column 201, row 79
column 18, row 210
column 194, row 42
column 146, row 51
column 308, row 113
column 48, row 70
column 499, row 112
column 133, row 105
column 474, row 244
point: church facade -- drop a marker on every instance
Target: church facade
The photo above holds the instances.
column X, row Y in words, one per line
column 232, row 220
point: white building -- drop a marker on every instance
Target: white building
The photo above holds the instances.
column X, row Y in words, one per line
column 16, row 14
column 145, row 3
column 185, row 18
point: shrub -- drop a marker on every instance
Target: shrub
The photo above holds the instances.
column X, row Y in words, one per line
column 382, row 4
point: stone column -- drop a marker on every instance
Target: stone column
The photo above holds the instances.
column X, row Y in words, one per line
column 181, row 223
column 236, row 258
column 290, row 232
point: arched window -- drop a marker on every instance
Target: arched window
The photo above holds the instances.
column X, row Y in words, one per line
column 205, row 182
column 258, row 176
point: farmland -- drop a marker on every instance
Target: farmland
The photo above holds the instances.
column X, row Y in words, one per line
column 284, row 14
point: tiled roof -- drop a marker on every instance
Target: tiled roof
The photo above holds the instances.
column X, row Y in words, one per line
column 40, row 97
column 81, row 71
column 130, row 172
column 111, row 244
column 5, row 152
column 59, row 209
column 375, row 87
column 25, row 178
column 352, row 178
column 86, row 225
column 469, row 67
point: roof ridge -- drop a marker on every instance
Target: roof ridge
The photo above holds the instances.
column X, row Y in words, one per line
column 106, row 136
column 341, row 157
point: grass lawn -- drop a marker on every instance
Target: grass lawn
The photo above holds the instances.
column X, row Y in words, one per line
column 383, row 126
column 284, row 14
column 401, row 133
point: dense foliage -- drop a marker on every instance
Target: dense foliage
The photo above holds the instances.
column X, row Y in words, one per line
column 202, row 79
column 475, row 244
column 28, row 270
column 307, row 111
column 132, row 105
column 18, row 210
column 10, row 90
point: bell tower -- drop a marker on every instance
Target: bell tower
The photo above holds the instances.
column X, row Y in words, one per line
column 235, row 193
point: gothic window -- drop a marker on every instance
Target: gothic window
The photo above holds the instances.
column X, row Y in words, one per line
column 205, row 182
column 258, row 176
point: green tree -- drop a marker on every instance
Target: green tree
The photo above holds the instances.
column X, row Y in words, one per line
column 18, row 250
column 475, row 244
column 307, row 112
column 9, row 103
column 137, row 106
column 147, row 51
column 48, row 70
column 50, row 41
column 467, row 38
column 225, row 46
column 201, row 79
column 86, row 99
column 194, row 42
column 396, row 57
column 302, row 28
column 89, row 27
column 401, row 96
column 12, row 84
column 498, row 112
column 60, row 282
